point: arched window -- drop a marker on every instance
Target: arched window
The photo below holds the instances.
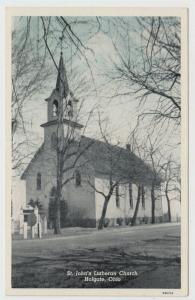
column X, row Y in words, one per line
column 55, row 108
column 38, row 181
column 77, row 178
column 54, row 141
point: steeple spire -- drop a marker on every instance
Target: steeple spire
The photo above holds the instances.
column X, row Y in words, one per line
column 62, row 82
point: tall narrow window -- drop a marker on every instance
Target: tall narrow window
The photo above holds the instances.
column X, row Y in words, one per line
column 117, row 196
column 130, row 195
column 39, row 181
column 70, row 109
column 143, row 197
column 54, row 141
column 55, row 108
column 77, row 178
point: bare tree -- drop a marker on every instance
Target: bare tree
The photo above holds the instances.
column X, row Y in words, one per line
column 155, row 160
column 68, row 149
column 29, row 77
column 150, row 69
column 133, row 221
column 121, row 168
column 172, row 188
column 34, row 43
column 149, row 150
column 69, row 153
column 113, row 171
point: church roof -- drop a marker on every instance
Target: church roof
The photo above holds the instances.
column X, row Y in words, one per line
column 124, row 165
column 107, row 159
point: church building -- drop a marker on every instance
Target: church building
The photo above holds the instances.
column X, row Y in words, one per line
column 89, row 165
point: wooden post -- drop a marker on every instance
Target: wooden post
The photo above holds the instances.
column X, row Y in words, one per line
column 39, row 230
column 33, row 231
column 25, row 230
column 45, row 225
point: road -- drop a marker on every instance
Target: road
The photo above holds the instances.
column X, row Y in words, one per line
column 150, row 253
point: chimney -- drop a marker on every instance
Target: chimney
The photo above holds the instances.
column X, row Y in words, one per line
column 128, row 147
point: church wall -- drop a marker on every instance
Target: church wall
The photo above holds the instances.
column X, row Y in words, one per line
column 125, row 211
column 81, row 203
column 43, row 165
column 48, row 130
column 80, row 199
column 112, row 211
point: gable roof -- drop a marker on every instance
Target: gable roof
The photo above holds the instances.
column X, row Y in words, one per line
column 107, row 159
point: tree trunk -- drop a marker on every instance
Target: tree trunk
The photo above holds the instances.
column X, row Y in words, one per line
column 57, row 210
column 137, row 206
column 153, row 204
column 57, row 221
column 58, row 192
column 130, row 195
column 101, row 222
column 168, row 203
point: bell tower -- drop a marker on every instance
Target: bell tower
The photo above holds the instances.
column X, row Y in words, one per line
column 61, row 105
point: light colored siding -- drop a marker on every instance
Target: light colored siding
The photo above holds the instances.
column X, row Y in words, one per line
column 125, row 210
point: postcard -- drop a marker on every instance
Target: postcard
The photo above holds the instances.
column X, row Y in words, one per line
column 97, row 151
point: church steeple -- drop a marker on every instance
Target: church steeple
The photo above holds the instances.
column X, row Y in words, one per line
column 61, row 103
column 62, row 83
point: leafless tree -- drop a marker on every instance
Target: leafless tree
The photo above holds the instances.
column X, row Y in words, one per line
column 172, row 189
column 29, row 77
column 69, row 153
column 33, row 60
column 121, row 168
column 139, row 189
column 68, row 150
column 34, row 44
column 114, row 171
column 148, row 65
column 149, row 150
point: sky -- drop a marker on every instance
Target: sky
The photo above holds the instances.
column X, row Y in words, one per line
column 120, row 114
